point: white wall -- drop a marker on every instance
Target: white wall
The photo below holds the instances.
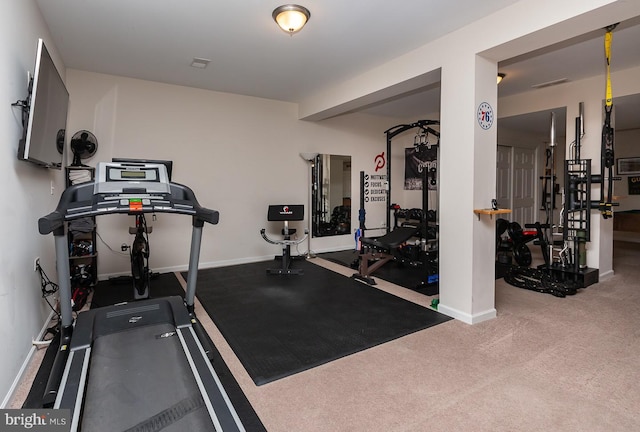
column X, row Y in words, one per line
column 26, row 195
column 627, row 144
column 239, row 154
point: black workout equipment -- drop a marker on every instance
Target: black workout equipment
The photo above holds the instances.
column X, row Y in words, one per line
column 565, row 267
column 540, row 280
column 380, row 250
column 285, row 213
column 139, row 257
column 606, row 150
column 141, row 365
column 578, row 180
column 424, row 129
column 515, row 245
column 139, row 250
column 419, row 223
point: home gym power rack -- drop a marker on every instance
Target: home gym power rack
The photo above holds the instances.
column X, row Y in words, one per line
column 427, row 255
column 553, row 277
column 424, row 130
column 569, row 271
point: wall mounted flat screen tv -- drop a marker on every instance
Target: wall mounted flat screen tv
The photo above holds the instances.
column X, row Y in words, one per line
column 44, row 114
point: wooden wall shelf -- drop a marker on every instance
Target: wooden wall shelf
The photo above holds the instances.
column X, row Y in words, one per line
column 490, row 212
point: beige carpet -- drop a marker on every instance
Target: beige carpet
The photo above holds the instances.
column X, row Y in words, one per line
column 544, row 364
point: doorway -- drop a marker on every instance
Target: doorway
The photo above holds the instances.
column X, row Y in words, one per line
column 516, row 182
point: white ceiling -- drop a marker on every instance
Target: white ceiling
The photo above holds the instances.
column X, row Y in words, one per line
column 251, row 56
column 572, row 60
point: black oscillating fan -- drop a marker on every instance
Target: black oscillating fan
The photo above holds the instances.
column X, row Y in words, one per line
column 84, row 144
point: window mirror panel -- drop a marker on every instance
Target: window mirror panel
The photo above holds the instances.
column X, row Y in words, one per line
column 331, row 197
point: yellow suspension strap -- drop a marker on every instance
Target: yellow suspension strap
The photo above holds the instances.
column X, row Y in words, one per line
column 608, row 39
column 606, row 151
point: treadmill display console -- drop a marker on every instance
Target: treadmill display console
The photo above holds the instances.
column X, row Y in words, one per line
column 128, row 188
column 115, row 178
column 126, row 175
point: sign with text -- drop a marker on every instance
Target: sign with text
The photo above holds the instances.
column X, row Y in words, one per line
column 374, row 191
column 634, row 185
column 35, row 420
column 375, row 187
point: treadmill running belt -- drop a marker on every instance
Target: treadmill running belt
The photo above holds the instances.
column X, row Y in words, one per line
column 169, row 415
column 139, row 368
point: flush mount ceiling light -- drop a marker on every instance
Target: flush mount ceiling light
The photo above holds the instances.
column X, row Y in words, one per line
column 501, row 77
column 291, row 18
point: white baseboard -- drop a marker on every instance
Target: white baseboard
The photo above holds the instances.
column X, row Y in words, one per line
column 185, row 267
column 465, row 317
column 605, row 275
column 333, row 249
column 215, row 264
column 25, row 364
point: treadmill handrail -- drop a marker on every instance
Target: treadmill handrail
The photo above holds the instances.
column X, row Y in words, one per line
column 83, row 194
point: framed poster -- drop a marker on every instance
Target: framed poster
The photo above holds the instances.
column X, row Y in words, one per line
column 417, row 160
column 626, row 166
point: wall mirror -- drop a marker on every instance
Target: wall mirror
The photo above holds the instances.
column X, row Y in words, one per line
column 331, row 197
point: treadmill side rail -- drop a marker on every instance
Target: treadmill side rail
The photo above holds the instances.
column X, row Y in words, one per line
column 135, row 317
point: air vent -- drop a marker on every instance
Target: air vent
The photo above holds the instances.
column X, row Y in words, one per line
column 550, row 83
column 200, row 63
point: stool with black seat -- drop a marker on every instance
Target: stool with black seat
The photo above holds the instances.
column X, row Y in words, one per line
column 285, row 214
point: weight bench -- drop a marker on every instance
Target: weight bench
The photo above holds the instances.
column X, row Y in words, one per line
column 285, row 213
column 380, row 250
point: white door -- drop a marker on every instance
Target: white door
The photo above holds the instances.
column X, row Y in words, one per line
column 524, row 185
column 503, row 179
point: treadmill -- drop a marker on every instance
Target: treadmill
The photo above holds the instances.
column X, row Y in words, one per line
column 140, row 366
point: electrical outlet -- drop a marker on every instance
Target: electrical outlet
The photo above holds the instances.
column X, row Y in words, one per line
column 52, row 187
column 36, row 263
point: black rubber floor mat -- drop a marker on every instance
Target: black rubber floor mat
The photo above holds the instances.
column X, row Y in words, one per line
column 281, row 325
column 405, row 276
column 119, row 290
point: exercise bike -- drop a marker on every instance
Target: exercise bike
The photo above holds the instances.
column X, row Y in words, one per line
column 139, row 257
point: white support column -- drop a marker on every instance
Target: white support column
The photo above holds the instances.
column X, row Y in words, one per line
column 467, row 182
